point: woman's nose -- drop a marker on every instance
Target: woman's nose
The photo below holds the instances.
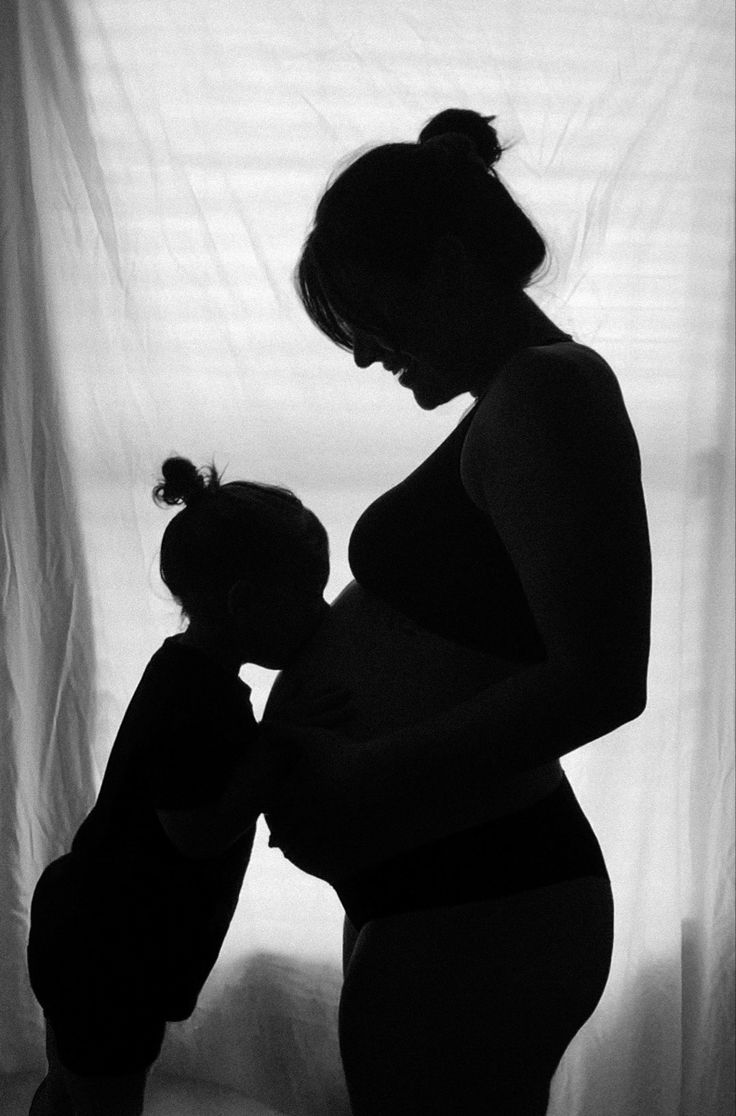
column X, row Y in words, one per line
column 366, row 349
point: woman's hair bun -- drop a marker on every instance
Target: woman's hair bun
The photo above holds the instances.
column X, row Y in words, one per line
column 183, row 482
column 475, row 128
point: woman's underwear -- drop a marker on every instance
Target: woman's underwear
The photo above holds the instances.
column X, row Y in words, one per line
column 546, row 843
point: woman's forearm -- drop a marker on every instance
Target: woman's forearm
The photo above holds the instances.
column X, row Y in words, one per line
column 352, row 804
column 438, row 776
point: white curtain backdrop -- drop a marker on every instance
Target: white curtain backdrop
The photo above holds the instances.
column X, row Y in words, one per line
column 160, row 163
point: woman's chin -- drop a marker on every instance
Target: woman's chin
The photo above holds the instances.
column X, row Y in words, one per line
column 429, row 396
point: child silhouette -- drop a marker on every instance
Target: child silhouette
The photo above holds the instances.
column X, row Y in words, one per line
column 127, row 925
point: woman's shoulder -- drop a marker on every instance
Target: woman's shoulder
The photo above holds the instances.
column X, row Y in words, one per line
column 546, row 385
column 555, row 371
column 561, row 397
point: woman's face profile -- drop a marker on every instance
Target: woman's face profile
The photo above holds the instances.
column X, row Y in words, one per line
column 410, row 328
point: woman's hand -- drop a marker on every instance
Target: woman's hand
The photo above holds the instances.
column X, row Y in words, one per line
column 320, row 812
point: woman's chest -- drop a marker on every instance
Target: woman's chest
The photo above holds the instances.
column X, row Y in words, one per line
column 430, row 551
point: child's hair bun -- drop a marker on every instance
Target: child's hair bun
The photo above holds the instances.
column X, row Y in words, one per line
column 183, row 482
column 479, row 137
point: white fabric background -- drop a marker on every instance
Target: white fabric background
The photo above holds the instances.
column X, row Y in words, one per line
column 160, row 165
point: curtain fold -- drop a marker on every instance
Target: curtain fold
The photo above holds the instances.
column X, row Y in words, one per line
column 47, row 664
column 160, row 167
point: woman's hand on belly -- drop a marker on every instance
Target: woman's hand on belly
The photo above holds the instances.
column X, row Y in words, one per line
column 323, row 813
column 349, row 801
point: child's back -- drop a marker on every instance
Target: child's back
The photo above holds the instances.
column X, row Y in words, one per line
column 186, row 727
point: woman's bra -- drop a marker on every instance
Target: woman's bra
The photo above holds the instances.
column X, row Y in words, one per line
column 427, row 550
column 546, row 843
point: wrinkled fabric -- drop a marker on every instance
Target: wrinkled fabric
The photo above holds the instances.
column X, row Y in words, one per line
column 160, row 167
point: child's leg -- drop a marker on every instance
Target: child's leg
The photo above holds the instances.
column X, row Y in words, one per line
column 66, row 1093
column 51, row 1097
column 106, row 1096
column 86, row 972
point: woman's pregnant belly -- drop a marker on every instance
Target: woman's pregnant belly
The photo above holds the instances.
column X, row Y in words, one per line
column 397, row 674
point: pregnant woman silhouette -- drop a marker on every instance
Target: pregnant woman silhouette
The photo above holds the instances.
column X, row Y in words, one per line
column 498, row 620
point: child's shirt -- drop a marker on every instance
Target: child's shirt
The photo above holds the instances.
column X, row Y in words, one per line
column 188, row 724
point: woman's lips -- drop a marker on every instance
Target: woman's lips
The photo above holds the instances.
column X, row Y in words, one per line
column 401, row 370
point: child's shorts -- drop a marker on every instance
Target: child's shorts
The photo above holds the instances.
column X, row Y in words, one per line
column 99, row 1004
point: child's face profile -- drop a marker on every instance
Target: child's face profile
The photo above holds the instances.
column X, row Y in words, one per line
column 274, row 620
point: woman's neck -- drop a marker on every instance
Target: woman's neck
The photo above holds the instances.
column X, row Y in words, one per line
column 527, row 326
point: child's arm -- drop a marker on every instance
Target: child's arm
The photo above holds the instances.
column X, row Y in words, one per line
column 207, row 831
column 210, row 830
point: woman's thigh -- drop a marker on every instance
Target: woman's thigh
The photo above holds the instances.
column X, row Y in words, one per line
column 469, row 1009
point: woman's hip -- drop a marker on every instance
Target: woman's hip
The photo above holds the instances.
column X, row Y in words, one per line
column 551, row 927
column 548, row 842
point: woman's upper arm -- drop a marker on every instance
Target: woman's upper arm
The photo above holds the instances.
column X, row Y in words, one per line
column 552, row 457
